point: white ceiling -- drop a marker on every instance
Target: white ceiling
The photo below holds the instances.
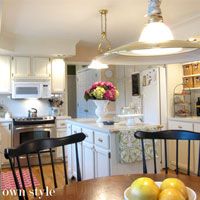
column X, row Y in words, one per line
column 79, row 19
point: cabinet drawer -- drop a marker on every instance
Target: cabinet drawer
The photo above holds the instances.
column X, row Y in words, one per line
column 61, row 124
column 89, row 135
column 180, row 125
column 102, row 140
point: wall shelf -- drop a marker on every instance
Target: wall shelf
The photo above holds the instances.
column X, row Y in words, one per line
column 197, row 88
column 192, row 75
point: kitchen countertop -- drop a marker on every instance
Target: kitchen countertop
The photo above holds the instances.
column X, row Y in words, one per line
column 91, row 123
column 4, row 120
column 194, row 119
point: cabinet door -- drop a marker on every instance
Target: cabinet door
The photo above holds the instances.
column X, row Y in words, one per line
column 60, row 133
column 88, row 161
column 183, row 146
column 102, row 162
column 41, row 67
column 58, row 78
column 5, row 68
column 5, row 139
column 21, row 67
column 196, row 147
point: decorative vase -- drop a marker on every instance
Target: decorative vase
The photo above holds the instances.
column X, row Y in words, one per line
column 101, row 110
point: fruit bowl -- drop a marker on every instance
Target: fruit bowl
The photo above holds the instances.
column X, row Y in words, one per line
column 191, row 193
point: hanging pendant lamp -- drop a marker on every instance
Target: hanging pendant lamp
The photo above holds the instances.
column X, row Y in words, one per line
column 104, row 44
column 156, row 38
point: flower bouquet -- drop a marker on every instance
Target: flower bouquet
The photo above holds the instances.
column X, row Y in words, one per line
column 101, row 91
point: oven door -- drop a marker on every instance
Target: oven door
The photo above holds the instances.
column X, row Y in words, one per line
column 26, row 133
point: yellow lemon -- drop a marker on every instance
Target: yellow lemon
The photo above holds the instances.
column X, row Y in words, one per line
column 171, row 194
column 176, row 184
column 144, row 189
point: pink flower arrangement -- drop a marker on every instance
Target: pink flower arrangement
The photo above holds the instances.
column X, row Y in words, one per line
column 102, row 91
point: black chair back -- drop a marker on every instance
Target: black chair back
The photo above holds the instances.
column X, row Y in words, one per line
column 35, row 147
column 175, row 135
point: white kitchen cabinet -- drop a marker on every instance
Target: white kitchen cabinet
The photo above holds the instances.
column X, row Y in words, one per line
column 41, row 67
column 196, row 147
column 21, row 67
column 34, row 68
column 88, row 161
column 5, row 74
column 58, row 78
column 5, row 139
column 60, row 133
column 183, row 146
column 102, row 162
column 74, row 130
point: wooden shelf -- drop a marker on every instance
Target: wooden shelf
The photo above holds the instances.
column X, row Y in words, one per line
column 193, row 75
column 197, row 88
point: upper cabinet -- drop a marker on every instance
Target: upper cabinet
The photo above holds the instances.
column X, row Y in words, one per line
column 21, row 67
column 5, row 69
column 58, row 76
column 26, row 67
column 41, row 67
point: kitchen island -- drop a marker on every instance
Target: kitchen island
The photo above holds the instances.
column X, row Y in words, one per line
column 108, row 149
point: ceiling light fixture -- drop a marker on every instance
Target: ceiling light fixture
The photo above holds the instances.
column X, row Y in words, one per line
column 156, row 38
column 104, row 44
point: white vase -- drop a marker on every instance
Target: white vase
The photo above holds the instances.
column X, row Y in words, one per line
column 101, row 110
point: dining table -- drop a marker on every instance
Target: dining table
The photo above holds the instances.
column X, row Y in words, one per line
column 113, row 187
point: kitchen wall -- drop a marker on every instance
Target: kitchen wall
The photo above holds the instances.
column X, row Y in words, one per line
column 124, row 85
column 19, row 108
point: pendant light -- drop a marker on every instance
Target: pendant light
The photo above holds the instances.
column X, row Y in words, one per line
column 104, row 44
column 156, row 38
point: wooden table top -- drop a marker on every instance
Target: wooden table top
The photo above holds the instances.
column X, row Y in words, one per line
column 112, row 188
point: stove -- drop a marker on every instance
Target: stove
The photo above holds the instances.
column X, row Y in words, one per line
column 33, row 120
column 26, row 129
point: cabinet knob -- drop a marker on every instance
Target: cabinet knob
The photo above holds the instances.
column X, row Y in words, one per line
column 63, row 124
column 180, row 126
column 100, row 140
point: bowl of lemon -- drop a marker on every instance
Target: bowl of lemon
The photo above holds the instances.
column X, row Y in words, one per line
column 170, row 189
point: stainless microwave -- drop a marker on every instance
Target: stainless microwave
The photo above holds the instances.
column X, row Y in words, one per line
column 29, row 90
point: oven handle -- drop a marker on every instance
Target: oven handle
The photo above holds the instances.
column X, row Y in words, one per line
column 34, row 127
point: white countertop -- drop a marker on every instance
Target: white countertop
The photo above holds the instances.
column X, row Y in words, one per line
column 194, row 119
column 91, row 123
column 4, row 120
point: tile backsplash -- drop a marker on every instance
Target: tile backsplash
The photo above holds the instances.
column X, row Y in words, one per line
column 19, row 108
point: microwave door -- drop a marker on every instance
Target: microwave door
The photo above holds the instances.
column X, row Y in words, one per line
column 23, row 91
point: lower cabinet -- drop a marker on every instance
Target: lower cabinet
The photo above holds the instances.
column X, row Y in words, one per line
column 102, row 162
column 88, row 161
column 60, row 133
column 5, row 140
column 94, row 159
column 183, row 147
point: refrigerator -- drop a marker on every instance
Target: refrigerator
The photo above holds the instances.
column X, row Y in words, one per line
column 154, row 95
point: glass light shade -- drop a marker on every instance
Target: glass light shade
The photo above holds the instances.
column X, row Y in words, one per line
column 95, row 64
column 156, row 32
